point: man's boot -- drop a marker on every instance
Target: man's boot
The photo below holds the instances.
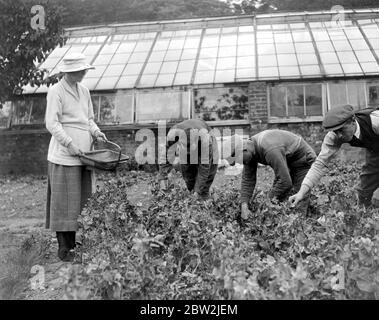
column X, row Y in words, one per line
column 64, row 246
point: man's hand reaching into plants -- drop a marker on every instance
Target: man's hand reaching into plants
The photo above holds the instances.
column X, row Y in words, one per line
column 375, row 198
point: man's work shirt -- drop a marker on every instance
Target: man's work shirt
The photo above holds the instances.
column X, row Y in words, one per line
column 203, row 159
column 331, row 144
column 273, row 148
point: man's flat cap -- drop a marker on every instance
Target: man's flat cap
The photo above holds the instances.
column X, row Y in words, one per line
column 336, row 117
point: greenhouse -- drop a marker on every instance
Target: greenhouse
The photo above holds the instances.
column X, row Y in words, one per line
column 277, row 68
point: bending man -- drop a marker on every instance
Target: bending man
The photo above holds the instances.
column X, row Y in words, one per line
column 288, row 155
column 198, row 154
column 359, row 129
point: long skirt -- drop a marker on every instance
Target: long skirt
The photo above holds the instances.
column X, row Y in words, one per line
column 68, row 189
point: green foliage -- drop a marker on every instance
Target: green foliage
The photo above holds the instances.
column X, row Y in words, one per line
column 21, row 46
column 180, row 248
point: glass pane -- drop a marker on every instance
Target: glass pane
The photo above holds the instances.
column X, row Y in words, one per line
column 353, row 33
column 295, row 100
column 169, row 67
column 245, row 62
column 247, row 38
column 230, row 103
column 95, row 73
column 228, row 40
column 283, row 37
column 206, row 64
column 333, row 69
column 152, row 67
column 126, row 47
column 208, row 53
column 328, row 57
column 167, row 105
column 313, row 100
column 266, row 49
column 306, row 47
column 245, row 73
column 143, row 46
column 310, row 70
column 192, row 43
column 301, row 36
column 248, row 50
column 347, row 57
column 113, row 70
column 161, row 44
column 107, row 109
column 278, row 101
column 356, row 95
column 90, row 83
column 110, row 48
column 320, row 35
column 147, row 80
column 134, row 68
column 285, row 48
column 267, row 60
column 325, row 46
column 370, row 67
column 102, row 59
column 210, row 41
column 49, row 63
column 120, row 58
column 176, row 44
column 106, row 83
column 374, row 43
column 342, row 45
column 186, row 65
column 204, row 77
column 365, row 56
column 287, row 60
column 172, row 55
column 124, row 108
column 351, row 68
column 246, row 29
column 183, row 78
column 373, row 94
column 337, row 94
column 226, row 63
column 157, row 56
column 307, row 59
column 227, row 51
column 289, row 71
column 268, row 72
column 126, row 82
column 224, row 76
column 59, row 52
column 165, row 79
column 359, row 45
column 138, row 57
column 189, row 54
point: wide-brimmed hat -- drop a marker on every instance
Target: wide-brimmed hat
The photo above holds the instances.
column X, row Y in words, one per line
column 337, row 117
column 74, row 62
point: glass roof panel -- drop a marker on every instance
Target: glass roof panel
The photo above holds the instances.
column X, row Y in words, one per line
column 75, row 49
column 92, row 49
column 212, row 31
column 246, row 38
column 173, row 55
column 102, row 59
column 182, row 78
column 126, row 82
column 333, row 69
column 307, row 58
column 365, row 56
column 228, row 40
column 147, row 80
column 351, row 68
column 301, row 36
column 342, row 45
column 186, row 65
column 324, row 46
column 247, row 50
column 300, row 25
column 169, row 67
column 287, row 60
column 374, row 43
column 267, row 60
column 347, row 57
column 370, row 67
column 268, row 72
column 106, row 83
column 138, row 57
column 353, row 33
column 306, row 47
column 246, row 62
column 282, row 37
column 266, row 49
column 226, row 30
column 152, row 67
column 285, row 48
column 203, row 77
column 287, row 71
column 59, row 52
column 245, row 73
column 120, row 58
column 210, row 41
column 226, row 63
column 246, row 29
column 110, row 48
column 224, row 76
column 176, row 44
column 95, row 73
column 310, row 70
column 161, row 44
column 194, row 32
column 227, row 51
column 113, row 70
column 206, row 64
column 157, row 56
column 371, row 31
column 320, row 35
column 49, row 63
column 90, row 83
column 132, row 69
column 165, row 79
column 126, row 47
column 189, row 54
column 192, row 43
column 359, row 44
column 208, row 53
column 143, row 46
column 328, row 57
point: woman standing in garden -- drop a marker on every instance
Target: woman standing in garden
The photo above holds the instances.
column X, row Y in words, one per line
column 70, row 120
